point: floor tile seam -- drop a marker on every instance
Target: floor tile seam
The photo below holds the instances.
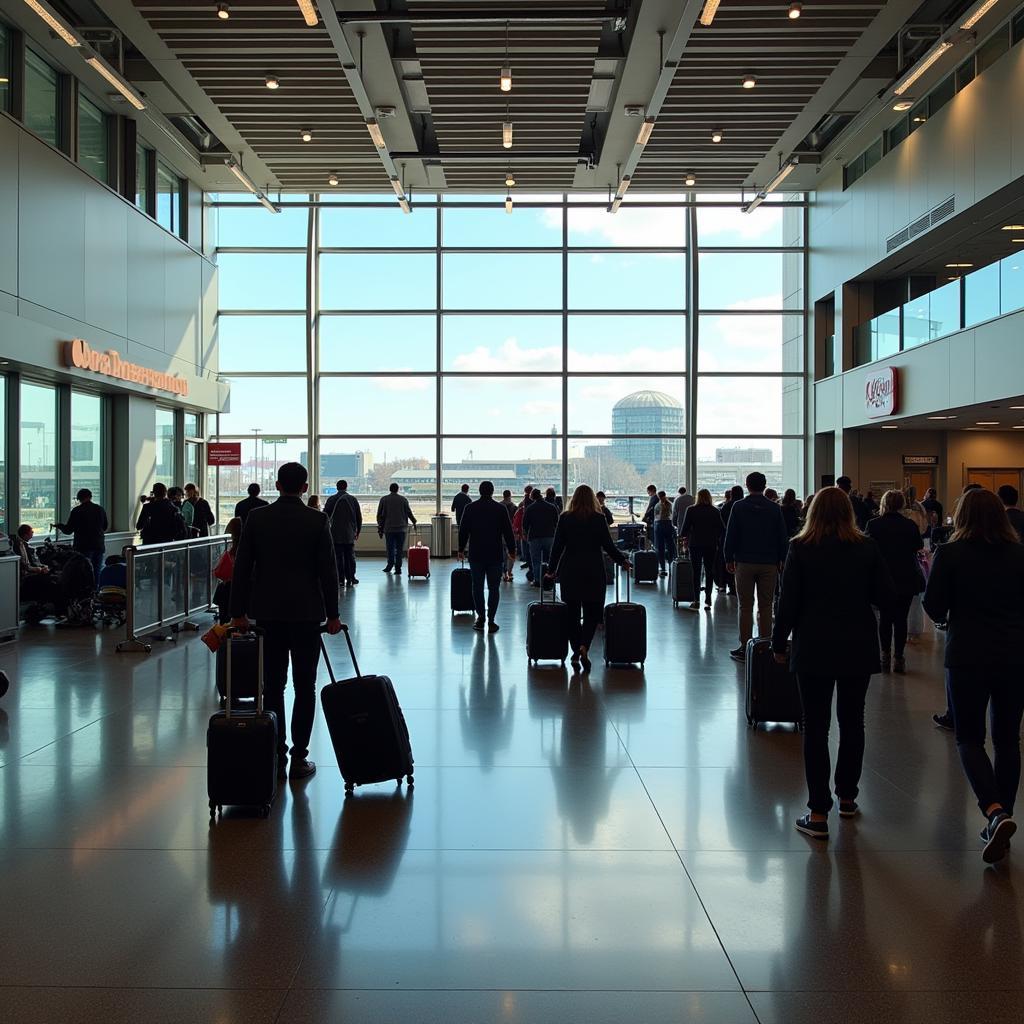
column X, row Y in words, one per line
column 303, row 954
column 62, row 736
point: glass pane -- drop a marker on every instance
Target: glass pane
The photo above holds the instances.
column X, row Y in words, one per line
column 7, row 527
column 746, row 280
column 274, row 406
column 168, row 198
column 378, row 405
column 40, row 98
column 942, row 94
column 916, row 323
column 377, row 227
column 992, row 49
column 750, row 405
column 192, row 464
column 494, row 405
column 510, row 463
column 981, row 295
column 965, row 73
column 493, row 228
column 248, row 226
column 627, row 405
column 192, row 426
column 260, row 459
column 885, row 335
column 146, row 603
column 1011, row 283
column 631, row 228
column 494, row 344
column 5, row 68
column 379, row 281
column 378, row 343
column 614, row 342
column 37, row 492
column 761, row 343
column 142, row 158
column 725, row 462
column 731, row 226
column 627, row 280
column 623, row 468
column 87, row 467
column 918, row 115
column 262, row 281
column 944, row 310
column 503, row 281
column 165, row 446
column 92, row 139
column 260, row 343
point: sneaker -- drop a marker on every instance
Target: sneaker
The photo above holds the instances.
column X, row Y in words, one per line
column 886, row 661
column 996, row 837
column 387, row 568
column 398, row 572
column 814, row 829
column 479, row 624
column 899, row 665
column 524, row 565
column 943, row 721
column 302, row 770
column 848, row 809
column 740, row 654
column 492, row 626
column 662, row 572
column 695, row 605
column 352, row 582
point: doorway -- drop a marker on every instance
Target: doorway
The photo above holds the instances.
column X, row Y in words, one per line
column 920, row 478
column 993, row 479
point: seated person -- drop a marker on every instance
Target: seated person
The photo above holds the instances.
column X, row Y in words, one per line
column 37, row 583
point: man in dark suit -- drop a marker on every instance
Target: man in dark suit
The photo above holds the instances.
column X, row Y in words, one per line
column 487, row 533
column 246, row 505
column 346, row 517
column 286, row 577
column 160, row 521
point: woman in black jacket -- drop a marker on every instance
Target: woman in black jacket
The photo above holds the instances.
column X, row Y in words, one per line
column 702, row 532
column 577, row 559
column 790, row 512
column 976, row 586
column 833, row 576
column 899, row 540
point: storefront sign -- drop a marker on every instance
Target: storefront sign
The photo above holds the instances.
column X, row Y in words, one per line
column 79, row 354
column 881, row 392
column 224, row 453
column 920, row 460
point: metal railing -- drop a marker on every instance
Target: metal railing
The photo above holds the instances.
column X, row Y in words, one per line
column 167, row 583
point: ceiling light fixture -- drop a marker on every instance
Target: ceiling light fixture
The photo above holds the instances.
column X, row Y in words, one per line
column 1017, row 240
column 272, row 82
column 890, row 426
column 710, row 10
column 508, row 204
column 644, row 135
column 309, row 14
column 223, row 12
column 795, row 10
column 1017, row 406
column 749, row 81
column 510, row 181
column 506, row 134
column 922, row 66
column 902, row 105
column 716, row 135
column 978, row 13
column 1012, row 227
column 56, row 22
column 1018, row 426
column 953, row 266
column 398, row 189
column 404, row 205
column 236, row 169
column 332, row 179
column 505, row 76
column 780, row 176
column 942, row 417
column 306, row 135
column 376, row 134
column 116, row 79
column 690, row 179
column 986, row 423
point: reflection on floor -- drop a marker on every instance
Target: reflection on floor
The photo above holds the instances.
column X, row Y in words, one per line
column 574, row 850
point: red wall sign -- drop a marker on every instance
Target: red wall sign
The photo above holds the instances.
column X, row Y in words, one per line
column 881, row 392
column 224, row 453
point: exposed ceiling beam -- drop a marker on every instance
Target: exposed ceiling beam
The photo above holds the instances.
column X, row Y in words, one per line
column 477, row 17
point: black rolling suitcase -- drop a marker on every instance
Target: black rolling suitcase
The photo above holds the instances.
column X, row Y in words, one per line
column 241, row 748
column 462, row 590
column 367, row 727
column 547, row 628
column 631, row 536
column 645, row 567
column 245, row 658
column 772, row 691
column 683, row 591
column 625, row 630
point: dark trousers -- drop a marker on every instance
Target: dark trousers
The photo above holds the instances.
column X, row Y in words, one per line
column 491, row 572
column 41, row 587
column 971, row 691
column 345, row 556
column 816, row 693
column 591, row 612
column 299, row 641
column 665, row 541
column 96, row 559
column 892, row 625
column 703, row 558
column 395, row 541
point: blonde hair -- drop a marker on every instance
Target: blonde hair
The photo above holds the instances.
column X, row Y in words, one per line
column 584, row 502
column 830, row 515
column 892, row 501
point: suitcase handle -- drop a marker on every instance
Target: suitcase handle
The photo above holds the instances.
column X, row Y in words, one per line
column 229, row 636
column 543, row 572
column 327, row 657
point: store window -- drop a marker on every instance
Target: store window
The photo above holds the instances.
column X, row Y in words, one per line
column 37, row 488
column 168, row 199
column 165, row 446
column 92, row 139
column 5, row 68
column 142, row 196
column 87, row 462
column 42, row 104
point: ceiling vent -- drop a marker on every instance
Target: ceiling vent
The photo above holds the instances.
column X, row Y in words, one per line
column 922, row 224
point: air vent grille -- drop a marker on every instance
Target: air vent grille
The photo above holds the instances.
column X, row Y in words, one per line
column 930, row 219
column 944, row 209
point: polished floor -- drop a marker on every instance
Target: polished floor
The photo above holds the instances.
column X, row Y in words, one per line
column 602, row 849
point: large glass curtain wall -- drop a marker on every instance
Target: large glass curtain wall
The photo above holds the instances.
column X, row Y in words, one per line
column 556, row 345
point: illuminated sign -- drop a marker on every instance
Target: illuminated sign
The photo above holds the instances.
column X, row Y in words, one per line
column 224, row 453
column 80, row 355
column 881, row 392
column 920, row 460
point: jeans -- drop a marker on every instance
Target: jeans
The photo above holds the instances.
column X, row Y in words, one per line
column 96, row 558
column 491, row 571
column 892, row 625
column 816, row 693
column 395, row 541
column 591, row 613
column 751, row 577
column 301, row 642
column 665, row 542
column 971, row 691
column 702, row 558
column 345, row 556
column 540, row 550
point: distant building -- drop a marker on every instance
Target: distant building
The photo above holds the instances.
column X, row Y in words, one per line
column 734, row 455
column 650, row 413
column 334, row 466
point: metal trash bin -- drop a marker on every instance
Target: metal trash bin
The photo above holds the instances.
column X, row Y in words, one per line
column 441, row 535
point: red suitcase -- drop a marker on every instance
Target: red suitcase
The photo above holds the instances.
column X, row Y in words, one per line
column 418, row 558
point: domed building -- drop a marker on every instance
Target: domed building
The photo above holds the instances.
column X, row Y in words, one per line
column 657, row 416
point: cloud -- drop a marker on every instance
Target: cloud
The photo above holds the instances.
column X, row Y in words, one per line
column 509, row 356
column 631, row 227
column 639, row 358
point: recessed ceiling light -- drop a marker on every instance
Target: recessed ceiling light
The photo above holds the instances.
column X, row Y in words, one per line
column 950, row 266
column 643, row 136
column 716, row 135
column 986, row 423
column 332, row 179
column 795, row 10
column 223, row 12
column 306, row 135
column 977, row 14
column 690, row 179
column 942, row 417
column 902, row 105
column 890, row 426
column 1012, row 227
column 272, row 82
column 1018, row 241
column 1019, row 426
column 749, row 81
column 920, row 119
column 952, row 278
column 1017, row 406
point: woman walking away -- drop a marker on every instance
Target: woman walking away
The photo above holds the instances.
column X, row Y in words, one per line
column 790, row 512
column 976, row 585
column 577, row 557
column 664, row 533
column 833, row 575
column 702, row 533
column 899, row 540
column 225, row 570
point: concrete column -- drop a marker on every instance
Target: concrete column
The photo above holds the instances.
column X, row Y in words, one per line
column 133, row 463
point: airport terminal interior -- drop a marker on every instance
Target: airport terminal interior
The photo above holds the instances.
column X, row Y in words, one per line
column 433, row 243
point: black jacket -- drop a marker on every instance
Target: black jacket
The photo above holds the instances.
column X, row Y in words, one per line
column 576, row 555
column 828, row 590
column 608, row 517
column 88, row 523
column 899, row 540
column 978, row 589
column 1016, row 517
column 246, row 505
column 791, row 518
column 160, row 522
column 540, row 520
column 485, row 532
column 285, row 570
column 202, row 516
column 460, row 503
column 702, row 526
column 346, row 517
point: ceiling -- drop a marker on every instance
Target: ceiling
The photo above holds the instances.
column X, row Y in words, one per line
column 1002, row 414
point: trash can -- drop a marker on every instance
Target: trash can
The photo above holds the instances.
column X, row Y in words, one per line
column 441, row 535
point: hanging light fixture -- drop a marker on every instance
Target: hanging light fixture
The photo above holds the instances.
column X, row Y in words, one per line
column 690, row 179
column 716, row 135
column 749, row 81
column 795, row 10
column 332, row 179
column 306, row 135
column 272, row 82
column 510, row 180
column 506, row 133
column 505, row 78
column 508, row 203
column 223, row 12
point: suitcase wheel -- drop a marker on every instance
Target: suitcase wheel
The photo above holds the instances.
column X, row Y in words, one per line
column 409, row 781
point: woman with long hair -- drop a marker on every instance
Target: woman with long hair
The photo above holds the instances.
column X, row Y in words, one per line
column 790, row 512
column 976, row 586
column 577, row 559
column 702, row 533
column 900, row 541
column 833, row 576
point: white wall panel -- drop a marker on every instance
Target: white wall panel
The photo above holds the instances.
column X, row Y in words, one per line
column 9, row 141
column 105, row 261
